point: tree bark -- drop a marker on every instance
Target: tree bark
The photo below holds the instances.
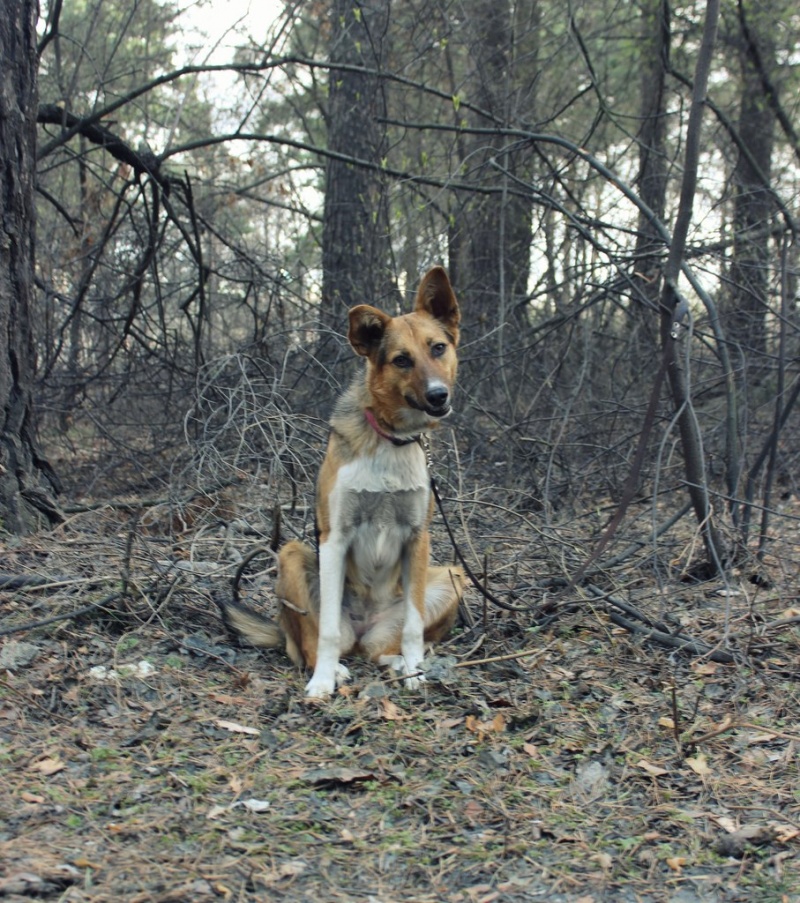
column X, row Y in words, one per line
column 355, row 236
column 753, row 203
column 490, row 235
column 652, row 138
column 25, row 478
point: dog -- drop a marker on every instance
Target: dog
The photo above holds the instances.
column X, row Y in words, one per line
column 370, row 588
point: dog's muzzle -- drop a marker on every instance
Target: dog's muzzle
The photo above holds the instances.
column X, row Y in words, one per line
column 436, row 404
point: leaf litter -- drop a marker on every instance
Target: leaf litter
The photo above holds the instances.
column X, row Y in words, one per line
column 565, row 760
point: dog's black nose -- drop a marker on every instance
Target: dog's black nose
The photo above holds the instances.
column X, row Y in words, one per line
column 437, row 396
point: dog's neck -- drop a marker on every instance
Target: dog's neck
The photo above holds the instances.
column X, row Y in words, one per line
column 395, row 440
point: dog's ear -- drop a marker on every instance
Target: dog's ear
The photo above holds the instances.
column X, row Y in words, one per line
column 436, row 297
column 367, row 326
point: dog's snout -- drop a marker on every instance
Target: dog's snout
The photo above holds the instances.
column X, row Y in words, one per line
column 437, row 396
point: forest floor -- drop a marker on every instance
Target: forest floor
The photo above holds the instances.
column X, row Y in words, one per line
column 551, row 755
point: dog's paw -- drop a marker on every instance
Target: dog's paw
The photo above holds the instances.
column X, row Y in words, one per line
column 395, row 662
column 399, row 664
column 322, row 686
column 414, row 682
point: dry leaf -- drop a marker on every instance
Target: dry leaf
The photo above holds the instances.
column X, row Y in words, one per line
column 531, row 749
column 704, row 669
column 31, row 797
column 666, row 721
column 236, row 784
column 725, row 822
column 292, row 869
column 48, row 766
column 655, row 770
column 83, row 863
column 699, row 765
column 604, row 861
column 496, row 726
column 253, row 805
column 391, row 712
column 237, row 728
column 676, row 863
column 448, row 723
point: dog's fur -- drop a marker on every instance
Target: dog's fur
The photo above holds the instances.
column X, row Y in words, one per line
column 371, row 589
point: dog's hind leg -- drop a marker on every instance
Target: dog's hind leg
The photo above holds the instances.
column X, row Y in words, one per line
column 443, row 592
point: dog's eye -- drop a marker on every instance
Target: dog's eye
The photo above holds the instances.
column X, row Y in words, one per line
column 438, row 349
column 403, row 361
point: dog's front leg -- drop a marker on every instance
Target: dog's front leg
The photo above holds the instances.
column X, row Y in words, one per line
column 414, row 572
column 327, row 671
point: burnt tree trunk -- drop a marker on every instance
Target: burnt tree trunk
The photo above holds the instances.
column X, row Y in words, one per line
column 25, row 478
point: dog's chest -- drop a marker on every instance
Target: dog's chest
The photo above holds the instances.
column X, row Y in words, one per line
column 385, row 495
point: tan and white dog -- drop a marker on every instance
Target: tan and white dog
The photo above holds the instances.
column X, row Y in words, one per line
column 371, row 588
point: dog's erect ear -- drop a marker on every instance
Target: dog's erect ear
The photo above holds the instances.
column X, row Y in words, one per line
column 367, row 326
column 436, row 297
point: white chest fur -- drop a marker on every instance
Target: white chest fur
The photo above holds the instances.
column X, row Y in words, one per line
column 377, row 503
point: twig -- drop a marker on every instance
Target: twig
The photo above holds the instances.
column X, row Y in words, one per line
column 505, row 658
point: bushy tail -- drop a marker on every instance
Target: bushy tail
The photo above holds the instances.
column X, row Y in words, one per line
column 251, row 627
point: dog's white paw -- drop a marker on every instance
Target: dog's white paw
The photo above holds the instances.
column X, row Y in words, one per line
column 399, row 663
column 322, row 686
column 414, row 682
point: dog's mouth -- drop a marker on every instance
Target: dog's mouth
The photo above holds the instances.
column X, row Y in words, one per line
column 438, row 411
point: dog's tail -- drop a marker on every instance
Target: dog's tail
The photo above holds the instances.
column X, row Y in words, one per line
column 251, row 627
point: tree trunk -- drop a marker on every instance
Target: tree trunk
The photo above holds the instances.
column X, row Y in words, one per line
column 753, row 203
column 490, row 236
column 355, row 236
column 652, row 180
column 24, row 492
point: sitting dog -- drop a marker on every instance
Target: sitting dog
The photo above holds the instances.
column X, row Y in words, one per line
column 370, row 588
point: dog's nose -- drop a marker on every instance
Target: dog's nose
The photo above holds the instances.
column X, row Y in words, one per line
column 437, row 396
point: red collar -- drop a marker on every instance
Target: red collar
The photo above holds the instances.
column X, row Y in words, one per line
column 395, row 440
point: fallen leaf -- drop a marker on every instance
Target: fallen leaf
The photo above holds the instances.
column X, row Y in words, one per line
column 496, row 726
column 676, row 863
column 235, row 728
column 699, row 765
column 391, row 712
column 31, row 797
column 253, row 805
column 725, row 822
column 448, row 723
column 292, row 868
column 236, row 784
column 531, row 749
column 656, row 770
column 667, row 722
column 83, row 863
column 48, row 766
column 705, row 669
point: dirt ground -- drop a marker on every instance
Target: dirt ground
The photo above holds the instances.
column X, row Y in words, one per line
column 552, row 754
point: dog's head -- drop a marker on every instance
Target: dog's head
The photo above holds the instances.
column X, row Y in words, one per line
column 411, row 360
